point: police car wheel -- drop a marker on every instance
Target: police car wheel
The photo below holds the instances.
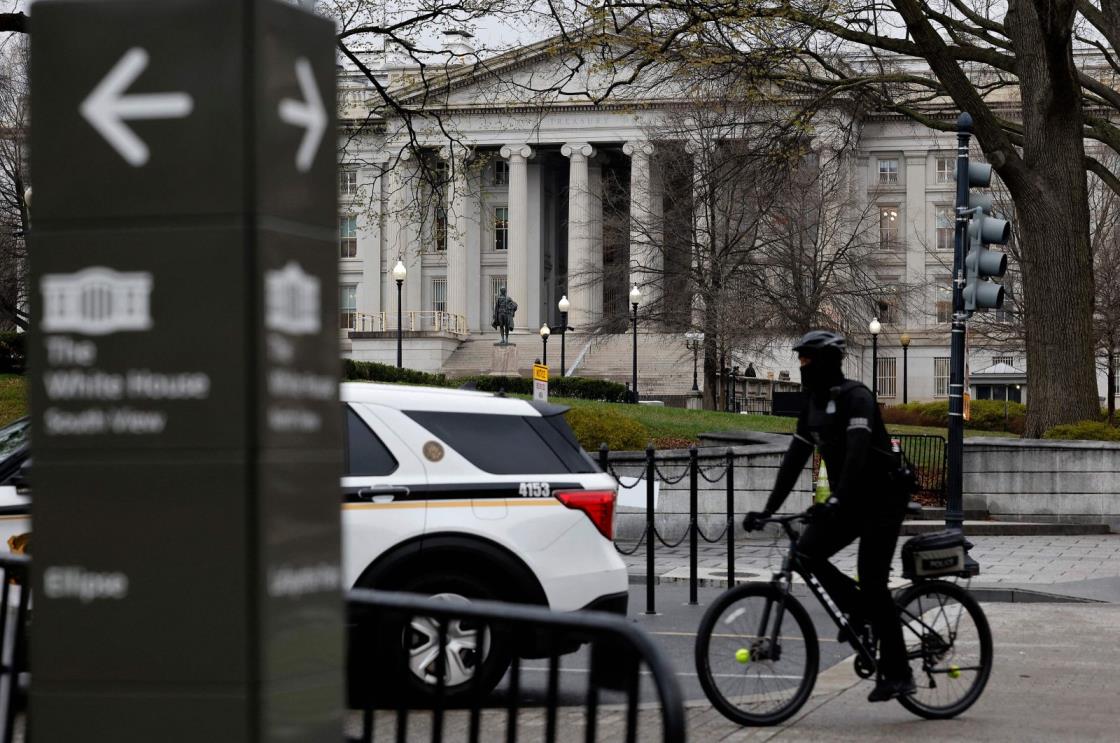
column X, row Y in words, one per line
column 477, row 655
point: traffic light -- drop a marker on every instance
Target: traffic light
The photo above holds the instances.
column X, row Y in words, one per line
column 981, row 264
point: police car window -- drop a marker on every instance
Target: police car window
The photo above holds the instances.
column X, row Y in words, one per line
column 365, row 454
column 498, row 444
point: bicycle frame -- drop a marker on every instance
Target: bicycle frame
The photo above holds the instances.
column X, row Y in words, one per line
column 783, row 581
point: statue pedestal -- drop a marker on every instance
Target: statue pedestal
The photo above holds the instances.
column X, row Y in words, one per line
column 503, row 361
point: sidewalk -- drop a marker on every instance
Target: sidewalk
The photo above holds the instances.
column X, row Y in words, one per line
column 1086, row 567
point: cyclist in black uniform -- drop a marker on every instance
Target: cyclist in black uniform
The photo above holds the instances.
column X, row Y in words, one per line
column 842, row 418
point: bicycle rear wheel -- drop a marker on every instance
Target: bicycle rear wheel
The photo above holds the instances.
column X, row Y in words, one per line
column 747, row 678
column 949, row 645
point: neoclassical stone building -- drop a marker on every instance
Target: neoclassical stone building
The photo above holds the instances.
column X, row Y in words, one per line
column 524, row 210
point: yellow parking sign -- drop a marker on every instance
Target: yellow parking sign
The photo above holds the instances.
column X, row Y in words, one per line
column 540, row 373
column 540, row 382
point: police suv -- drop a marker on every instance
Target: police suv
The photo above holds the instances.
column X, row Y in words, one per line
column 455, row 494
column 465, row 495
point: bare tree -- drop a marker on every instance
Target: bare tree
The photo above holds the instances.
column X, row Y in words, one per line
column 725, row 170
column 14, row 184
column 1013, row 66
column 816, row 255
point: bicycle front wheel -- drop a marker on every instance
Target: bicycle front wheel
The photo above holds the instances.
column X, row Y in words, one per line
column 949, row 645
column 750, row 678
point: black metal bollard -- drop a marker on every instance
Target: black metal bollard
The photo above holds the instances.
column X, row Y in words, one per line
column 604, row 457
column 730, row 518
column 693, row 468
column 651, row 536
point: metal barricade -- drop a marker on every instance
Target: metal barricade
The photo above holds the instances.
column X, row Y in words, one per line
column 616, row 655
column 15, row 602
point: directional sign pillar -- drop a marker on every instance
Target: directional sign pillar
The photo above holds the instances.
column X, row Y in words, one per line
column 186, row 423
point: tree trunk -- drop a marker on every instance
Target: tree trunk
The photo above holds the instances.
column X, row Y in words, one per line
column 1111, row 382
column 1051, row 204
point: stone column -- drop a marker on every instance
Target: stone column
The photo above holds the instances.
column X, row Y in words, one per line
column 646, row 259
column 517, row 273
column 371, row 242
column 580, row 266
column 595, row 240
column 702, row 240
column 457, row 194
column 916, row 233
column 404, row 238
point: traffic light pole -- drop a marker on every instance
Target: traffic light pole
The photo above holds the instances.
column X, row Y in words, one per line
column 954, row 508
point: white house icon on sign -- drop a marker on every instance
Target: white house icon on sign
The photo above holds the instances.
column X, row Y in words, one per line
column 96, row 301
column 291, row 300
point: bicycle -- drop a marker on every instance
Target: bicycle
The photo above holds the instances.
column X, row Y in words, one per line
column 759, row 669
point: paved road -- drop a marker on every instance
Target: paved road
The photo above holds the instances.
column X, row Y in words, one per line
column 1054, row 680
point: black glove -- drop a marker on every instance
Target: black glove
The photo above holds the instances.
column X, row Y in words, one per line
column 823, row 511
column 754, row 519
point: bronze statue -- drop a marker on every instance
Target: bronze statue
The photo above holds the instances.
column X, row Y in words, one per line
column 504, row 310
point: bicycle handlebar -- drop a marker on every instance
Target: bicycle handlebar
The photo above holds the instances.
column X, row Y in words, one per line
column 785, row 521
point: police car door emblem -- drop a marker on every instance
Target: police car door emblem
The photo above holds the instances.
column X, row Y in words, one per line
column 433, row 452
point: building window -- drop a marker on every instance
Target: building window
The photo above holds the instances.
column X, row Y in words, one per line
column 888, row 311
column 501, row 173
column 944, row 311
column 888, row 172
column 888, row 227
column 348, row 236
column 347, row 182
column 501, row 227
column 888, row 376
column 1009, row 360
column 941, row 376
column 439, row 294
column 441, row 227
column 347, row 305
column 945, row 224
column 946, row 169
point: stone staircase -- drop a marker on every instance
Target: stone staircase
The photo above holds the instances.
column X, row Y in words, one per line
column 664, row 363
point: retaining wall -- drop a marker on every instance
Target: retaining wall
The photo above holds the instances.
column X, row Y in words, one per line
column 1011, row 479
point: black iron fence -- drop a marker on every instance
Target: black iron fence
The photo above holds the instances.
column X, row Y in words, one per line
column 617, row 655
column 712, row 468
column 15, row 602
column 927, row 454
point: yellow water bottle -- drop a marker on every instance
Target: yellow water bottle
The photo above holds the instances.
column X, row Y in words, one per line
column 824, row 492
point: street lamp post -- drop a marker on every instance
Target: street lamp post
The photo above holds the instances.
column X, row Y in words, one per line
column 563, row 305
column 545, row 332
column 875, row 327
column 635, row 299
column 693, row 340
column 905, row 341
column 399, row 273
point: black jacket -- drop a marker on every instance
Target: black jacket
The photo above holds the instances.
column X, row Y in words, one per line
column 854, row 444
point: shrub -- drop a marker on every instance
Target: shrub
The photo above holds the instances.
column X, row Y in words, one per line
column 587, row 388
column 487, row 383
column 595, row 427
column 1087, row 430
column 13, row 353
column 370, row 371
column 987, row 415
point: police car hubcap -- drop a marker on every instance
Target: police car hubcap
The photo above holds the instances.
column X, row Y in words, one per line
column 466, row 646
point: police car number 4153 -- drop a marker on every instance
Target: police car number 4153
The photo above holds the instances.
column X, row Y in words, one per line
column 534, row 490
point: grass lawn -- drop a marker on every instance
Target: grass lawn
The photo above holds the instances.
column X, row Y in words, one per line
column 13, row 398
column 669, row 424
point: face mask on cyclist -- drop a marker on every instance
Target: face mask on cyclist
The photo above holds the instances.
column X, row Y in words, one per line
column 821, row 373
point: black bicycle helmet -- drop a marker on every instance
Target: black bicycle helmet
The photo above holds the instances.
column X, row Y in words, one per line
column 817, row 341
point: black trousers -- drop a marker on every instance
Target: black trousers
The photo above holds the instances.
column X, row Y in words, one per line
column 877, row 531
